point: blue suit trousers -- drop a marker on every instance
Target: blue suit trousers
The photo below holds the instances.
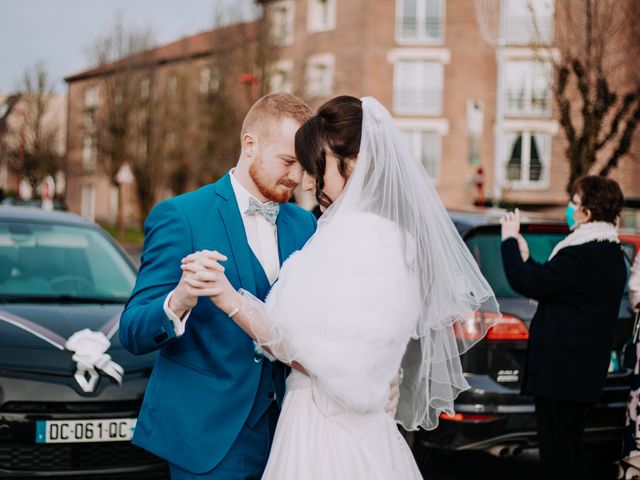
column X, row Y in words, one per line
column 247, row 458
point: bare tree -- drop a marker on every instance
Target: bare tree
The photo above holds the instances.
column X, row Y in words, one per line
column 149, row 140
column 597, row 88
column 35, row 151
column 132, row 126
column 178, row 109
column 239, row 75
column 122, row 52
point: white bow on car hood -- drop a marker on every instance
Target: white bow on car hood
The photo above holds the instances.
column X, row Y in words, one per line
column 89, row 348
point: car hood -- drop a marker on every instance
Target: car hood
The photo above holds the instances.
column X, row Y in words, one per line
column 25, row 351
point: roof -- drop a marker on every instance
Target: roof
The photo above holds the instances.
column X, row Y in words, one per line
column 198, row 45
column 40, row 215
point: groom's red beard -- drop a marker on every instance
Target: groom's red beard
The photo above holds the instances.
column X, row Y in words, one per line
column 281, row 192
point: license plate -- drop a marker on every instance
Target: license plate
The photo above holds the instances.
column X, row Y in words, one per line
column 81, row 431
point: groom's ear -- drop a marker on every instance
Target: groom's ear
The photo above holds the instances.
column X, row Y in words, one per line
column 249, row 145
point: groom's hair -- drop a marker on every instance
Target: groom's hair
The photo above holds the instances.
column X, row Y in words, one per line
column 272, row 108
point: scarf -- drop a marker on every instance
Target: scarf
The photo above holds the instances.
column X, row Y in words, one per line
column 588, row 232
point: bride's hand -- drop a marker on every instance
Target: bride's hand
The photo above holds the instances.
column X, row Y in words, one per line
column 205, row 274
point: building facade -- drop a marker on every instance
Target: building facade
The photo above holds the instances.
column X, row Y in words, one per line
column 432, row 63
column 166, row 113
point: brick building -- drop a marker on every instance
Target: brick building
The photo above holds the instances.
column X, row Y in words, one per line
column 192, row 92
column 429, row 63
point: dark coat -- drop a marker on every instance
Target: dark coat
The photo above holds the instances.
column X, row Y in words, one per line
column 579, row 293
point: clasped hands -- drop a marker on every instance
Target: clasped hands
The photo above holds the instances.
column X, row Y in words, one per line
column 203, row 276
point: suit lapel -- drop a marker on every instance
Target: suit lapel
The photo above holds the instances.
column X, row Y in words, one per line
column 286, row 238
column 230, row 213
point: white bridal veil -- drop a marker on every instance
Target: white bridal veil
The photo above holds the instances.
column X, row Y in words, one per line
column 362, row 289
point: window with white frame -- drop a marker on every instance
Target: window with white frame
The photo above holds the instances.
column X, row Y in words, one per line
column 172, row 86
column 282, row 22
column 280, row 79
column 90, row 119
column 89, row 153
column 91, row 97
column 528, row 88
column 145, row 89
column 319, row 77
column 419, row 21
column 321, row 15
column 209, row 80
column 417, row 87
column 427, row 147
column 88, row 202
column 528, row 157
column 529, row 22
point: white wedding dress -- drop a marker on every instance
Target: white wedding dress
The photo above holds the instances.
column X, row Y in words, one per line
column 385, row 282
column 345, row 311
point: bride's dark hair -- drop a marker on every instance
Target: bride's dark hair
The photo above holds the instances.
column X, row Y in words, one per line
column 337, row 126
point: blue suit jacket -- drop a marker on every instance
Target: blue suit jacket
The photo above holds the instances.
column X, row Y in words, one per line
column 204, row 383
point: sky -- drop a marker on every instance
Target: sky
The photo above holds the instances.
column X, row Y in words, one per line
column 60, row 33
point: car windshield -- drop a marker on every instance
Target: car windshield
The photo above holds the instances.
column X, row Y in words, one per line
column 485, row 247
column 40, row 262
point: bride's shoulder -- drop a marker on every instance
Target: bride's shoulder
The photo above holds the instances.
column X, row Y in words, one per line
column 365, row 221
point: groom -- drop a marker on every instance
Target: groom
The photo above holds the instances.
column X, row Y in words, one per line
column 212, row 401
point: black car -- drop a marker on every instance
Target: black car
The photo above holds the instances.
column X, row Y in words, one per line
column 492, row 416
column 69, row 393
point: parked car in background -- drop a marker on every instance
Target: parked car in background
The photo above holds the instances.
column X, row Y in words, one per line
column 34, row 202
column 631, row 242
column 61, row 274
column 492, row 415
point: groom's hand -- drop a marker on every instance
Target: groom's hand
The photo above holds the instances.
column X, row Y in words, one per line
column 206, row 276
column 191, row 285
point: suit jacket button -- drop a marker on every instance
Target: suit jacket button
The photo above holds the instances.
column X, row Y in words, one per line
column 257, row 358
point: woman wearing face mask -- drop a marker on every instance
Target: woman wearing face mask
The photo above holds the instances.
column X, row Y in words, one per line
column 579, row 290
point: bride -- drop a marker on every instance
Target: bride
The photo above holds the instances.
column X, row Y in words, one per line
column 385, row 283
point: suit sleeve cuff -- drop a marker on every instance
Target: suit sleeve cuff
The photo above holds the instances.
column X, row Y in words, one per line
column 178, row 324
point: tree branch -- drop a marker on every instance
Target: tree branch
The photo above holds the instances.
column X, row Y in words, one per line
column 617, row 119
column 624, row 144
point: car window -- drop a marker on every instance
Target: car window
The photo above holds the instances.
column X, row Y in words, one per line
column 57, row 260
column 485, row 247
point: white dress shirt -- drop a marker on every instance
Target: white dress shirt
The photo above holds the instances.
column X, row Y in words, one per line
column 263, row 241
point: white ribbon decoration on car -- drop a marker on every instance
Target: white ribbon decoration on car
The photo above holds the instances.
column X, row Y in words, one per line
column 89, row 348
column 90, row 354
